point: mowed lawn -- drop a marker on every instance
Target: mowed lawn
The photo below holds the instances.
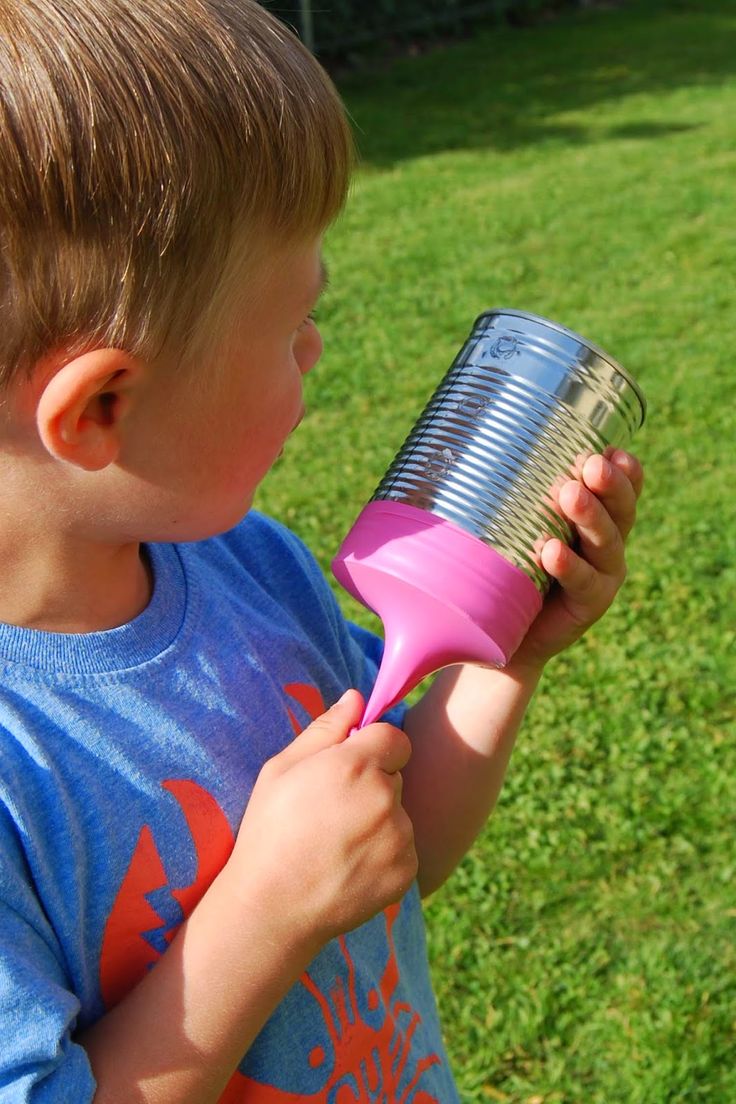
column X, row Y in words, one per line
column 583, row 169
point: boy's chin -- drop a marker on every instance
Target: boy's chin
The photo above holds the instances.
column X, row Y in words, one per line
column 228, row 521
column 203, row 527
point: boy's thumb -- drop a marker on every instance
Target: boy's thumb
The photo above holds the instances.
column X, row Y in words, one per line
column 331, row 728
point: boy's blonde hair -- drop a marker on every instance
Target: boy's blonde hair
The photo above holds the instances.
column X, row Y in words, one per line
column 141, row 143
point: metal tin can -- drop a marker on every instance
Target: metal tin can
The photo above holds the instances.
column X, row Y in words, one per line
column 523, row 405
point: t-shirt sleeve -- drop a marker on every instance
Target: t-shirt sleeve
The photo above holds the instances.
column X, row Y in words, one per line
column 40, row 1063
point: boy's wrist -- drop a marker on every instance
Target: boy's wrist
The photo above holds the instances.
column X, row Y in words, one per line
column 525, row 670
column 268, row 906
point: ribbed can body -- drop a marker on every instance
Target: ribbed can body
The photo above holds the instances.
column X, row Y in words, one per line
column 525, row 402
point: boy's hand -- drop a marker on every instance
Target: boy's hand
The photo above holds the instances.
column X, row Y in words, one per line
column 325, row 839
column 602, row 509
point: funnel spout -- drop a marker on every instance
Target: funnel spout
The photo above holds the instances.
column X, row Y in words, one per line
column 422, row 635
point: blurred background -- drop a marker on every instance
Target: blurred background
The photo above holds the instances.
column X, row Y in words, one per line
column 342, row 30
column 579, row 162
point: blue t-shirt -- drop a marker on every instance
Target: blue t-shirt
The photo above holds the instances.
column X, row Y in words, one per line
column 128, row 757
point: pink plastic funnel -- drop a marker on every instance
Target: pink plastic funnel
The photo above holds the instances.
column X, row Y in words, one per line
column 443, row 596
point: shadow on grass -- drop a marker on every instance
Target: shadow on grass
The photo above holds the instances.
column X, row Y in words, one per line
column 505, row 88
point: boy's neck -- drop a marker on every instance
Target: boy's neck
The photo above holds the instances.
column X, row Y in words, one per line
column 58, row 584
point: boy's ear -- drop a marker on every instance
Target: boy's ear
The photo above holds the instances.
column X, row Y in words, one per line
column 79, row 411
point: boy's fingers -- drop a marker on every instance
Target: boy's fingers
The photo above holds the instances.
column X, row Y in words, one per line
column 580, row 581
column 387, row 747
column 331, row 728
column 611, row 484
column 630, row 465
column 601, row 540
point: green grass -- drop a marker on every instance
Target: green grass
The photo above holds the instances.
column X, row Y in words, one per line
column 584, row 169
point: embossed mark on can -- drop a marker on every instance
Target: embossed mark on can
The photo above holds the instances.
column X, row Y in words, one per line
column 503, row 347
column 472, row 406
column 439, row 463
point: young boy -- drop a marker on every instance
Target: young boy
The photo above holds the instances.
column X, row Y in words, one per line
column 207, row 890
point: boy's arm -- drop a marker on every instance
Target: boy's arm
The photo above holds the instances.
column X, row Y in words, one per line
column 179, row 1035
column 464, row 728
column 324, row 845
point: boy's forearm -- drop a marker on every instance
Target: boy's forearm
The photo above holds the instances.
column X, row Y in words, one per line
column 463, row 732
column 179, row 1035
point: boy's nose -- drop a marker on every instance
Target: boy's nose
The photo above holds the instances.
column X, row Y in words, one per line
column 309, row 348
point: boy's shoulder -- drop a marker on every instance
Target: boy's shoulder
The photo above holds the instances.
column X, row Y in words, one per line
column 272, row 557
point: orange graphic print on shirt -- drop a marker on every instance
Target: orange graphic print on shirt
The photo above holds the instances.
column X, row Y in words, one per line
column 127, row 946
column 367, row 1059
column 369, row 1065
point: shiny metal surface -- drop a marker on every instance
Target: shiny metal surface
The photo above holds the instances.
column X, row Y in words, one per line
column 525, row 402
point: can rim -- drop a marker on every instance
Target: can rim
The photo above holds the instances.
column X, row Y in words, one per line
column 576, row 337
